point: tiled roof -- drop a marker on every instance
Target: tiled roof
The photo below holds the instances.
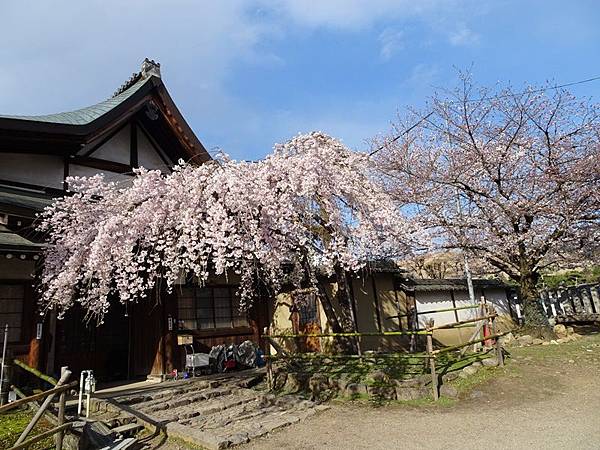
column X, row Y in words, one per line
column 84, row 116
column 23, row 198
column 12, row 241
column 451, row 284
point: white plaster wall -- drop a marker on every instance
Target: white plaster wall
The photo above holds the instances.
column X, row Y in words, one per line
column 116, row 149
column 430, row 301
column 461, row 298
column 39, row 170
column 147, row 156
column 76, row 170
column 427, row 301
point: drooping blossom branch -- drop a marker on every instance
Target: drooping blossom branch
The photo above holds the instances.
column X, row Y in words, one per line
column 311, row 202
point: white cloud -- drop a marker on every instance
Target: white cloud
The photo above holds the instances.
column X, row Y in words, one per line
column 391, row 42
column 70, row 54
column 354, row 14
column 423, row 75
column 463, row 36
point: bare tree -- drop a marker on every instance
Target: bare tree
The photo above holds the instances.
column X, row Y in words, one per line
column 512, row 177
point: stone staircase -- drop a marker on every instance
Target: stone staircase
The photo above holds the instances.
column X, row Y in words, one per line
column 215, row 413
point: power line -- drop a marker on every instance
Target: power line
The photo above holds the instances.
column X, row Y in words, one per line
column 533, row 91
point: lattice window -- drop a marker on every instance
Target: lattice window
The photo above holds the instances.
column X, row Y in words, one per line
column 12, row 298
column 202, row 308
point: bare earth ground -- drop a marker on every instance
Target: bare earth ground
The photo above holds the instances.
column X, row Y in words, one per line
column 547, row 397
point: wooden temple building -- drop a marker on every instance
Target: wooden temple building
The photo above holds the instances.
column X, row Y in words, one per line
column 139, row 125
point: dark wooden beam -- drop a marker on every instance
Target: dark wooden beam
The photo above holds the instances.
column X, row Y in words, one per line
column 65, row 173
column 376, row 298
column 454, row 305
column 101, row 164
column 133, row 145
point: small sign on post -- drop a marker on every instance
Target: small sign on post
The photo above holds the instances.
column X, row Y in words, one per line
column 185, row 339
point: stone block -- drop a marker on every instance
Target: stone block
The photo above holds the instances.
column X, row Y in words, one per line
column 450, row 376
column 560, row 330
column 469, row 370
column 382, row 392
column 525, row 340
column 490, row 362
column 355, row 389
column 447, row 390
column 411, row 393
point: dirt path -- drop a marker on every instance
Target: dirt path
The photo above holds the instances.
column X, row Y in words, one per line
column 547, row 398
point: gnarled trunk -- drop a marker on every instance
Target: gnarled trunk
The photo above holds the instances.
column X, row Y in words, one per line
column 536, row 321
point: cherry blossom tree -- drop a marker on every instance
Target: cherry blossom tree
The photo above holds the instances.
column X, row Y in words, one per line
column 310, row 208
column 511, row 177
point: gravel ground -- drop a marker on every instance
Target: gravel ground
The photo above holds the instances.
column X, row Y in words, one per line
column 548, row 397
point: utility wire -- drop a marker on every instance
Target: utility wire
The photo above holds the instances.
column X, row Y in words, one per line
column 533, row 91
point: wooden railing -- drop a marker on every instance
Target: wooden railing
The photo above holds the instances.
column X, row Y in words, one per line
column 61, row 388
column 485, row 320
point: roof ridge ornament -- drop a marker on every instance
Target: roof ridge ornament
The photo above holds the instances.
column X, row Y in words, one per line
column 150, row 68
column 134, row 78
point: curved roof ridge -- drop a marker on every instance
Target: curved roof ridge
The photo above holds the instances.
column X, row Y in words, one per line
column 88, row 114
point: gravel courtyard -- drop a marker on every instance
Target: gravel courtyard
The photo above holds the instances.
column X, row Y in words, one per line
column 548, row 397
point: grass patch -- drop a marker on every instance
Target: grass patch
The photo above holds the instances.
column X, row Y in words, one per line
column 12, row 425
column 483, row 375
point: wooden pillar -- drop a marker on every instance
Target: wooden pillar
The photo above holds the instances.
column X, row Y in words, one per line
column 454, row 305
column 50, row 339
column 434, row 379
column 377, row 306
column 499, row 354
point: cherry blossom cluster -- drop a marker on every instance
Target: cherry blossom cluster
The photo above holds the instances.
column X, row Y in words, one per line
column 510, row 176
column 310, row 207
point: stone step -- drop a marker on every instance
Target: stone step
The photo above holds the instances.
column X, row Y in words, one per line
column 128, row 429
column 204, row 407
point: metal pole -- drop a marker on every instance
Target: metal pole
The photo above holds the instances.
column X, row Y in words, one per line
column 467, row 269
column 3, row 361
column 80, row 402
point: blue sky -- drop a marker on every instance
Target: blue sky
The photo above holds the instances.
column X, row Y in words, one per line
column 247, row 74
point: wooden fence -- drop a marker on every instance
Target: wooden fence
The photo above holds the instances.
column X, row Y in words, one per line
column 578, row 303
column 485, row 333
column 61, row 387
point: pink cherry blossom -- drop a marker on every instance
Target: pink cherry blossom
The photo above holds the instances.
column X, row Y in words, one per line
column 311, row 203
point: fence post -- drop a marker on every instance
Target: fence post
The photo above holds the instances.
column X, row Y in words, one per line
column 269, row 360
column 61, row 413
column 63, row 380
column 431, row 359
column 499, row 354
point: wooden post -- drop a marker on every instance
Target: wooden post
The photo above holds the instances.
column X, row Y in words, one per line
column 269, row 360
column 499, row 353
column 431, row 359
column 63, row 379
column 61, row 413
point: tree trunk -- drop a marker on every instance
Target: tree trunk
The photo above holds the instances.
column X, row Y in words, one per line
column 340, row 318
column 536, row 321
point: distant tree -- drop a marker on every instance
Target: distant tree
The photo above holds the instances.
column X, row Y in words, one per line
column 309, row 208
column 513, row 177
